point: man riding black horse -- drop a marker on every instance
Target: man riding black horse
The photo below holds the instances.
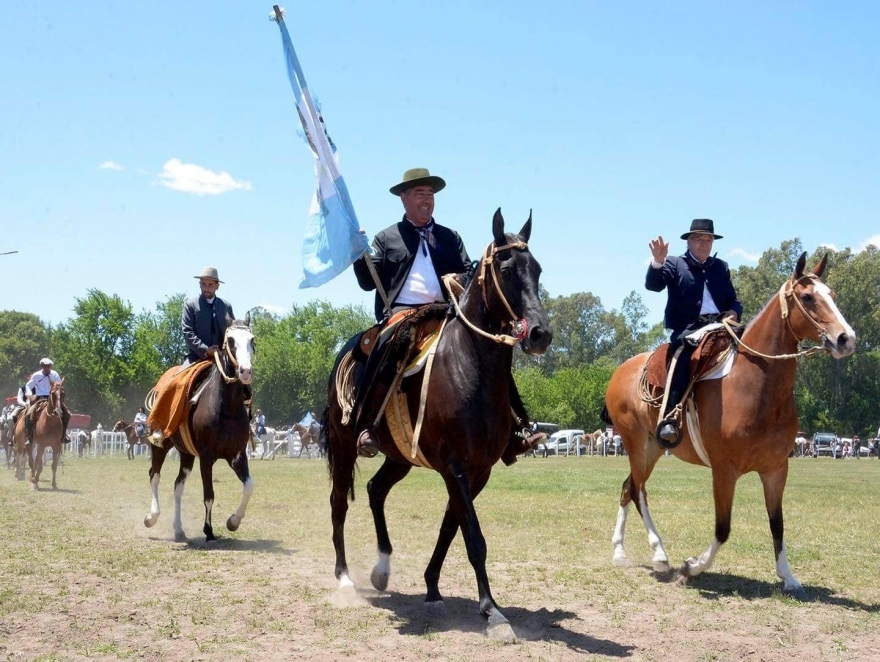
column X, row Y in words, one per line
column 410, row 258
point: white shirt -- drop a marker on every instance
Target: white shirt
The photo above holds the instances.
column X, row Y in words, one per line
column 421, row 285
column 40, row 384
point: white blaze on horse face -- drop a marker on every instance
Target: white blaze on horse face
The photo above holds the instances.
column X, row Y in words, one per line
column 243, row 342
column 848, row 347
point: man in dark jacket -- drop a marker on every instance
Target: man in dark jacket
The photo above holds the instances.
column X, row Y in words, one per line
column 204, row 318
column 409, row 258
column 700, row 292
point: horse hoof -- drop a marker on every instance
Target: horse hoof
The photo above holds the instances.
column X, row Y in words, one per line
column 179, row 536
column 620, row 561
column 233, row 522
column 795, row 592
column 379, row 579
column 150, row 520
column 661, row 567
column 501, row 632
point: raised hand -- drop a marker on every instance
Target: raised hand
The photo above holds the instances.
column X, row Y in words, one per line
column 659, row 249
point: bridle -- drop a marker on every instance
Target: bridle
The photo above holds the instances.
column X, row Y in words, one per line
column 225, row 350
column 53, row 406
column 519, row 325
column 786, row 291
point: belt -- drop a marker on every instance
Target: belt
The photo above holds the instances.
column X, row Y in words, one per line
column 709, row 319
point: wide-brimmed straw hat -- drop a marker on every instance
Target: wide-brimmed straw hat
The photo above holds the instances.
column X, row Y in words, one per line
column 702, row 226
column 418, row 177
column 209, row 272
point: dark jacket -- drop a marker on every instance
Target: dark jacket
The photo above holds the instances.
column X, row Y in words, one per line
column 683, row 277
column 394, row 251
column 196, row 325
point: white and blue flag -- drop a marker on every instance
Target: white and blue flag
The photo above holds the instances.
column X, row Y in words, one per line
column 333, row 239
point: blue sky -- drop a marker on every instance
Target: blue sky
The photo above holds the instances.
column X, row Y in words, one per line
column 142, row 141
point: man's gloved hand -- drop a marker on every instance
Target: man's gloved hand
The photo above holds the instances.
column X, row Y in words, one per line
column 730, row 315
column 211, row 351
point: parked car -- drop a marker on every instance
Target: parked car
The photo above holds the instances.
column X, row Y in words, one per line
column 564, row 442
column 824, row 443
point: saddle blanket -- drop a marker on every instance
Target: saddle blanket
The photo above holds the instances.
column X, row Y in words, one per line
column 172, row 392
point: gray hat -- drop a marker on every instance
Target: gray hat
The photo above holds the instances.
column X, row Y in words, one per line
column 46, row 361
column 209, row 272
column 418, row 177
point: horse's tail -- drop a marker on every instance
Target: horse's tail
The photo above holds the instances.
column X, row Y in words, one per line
column 605, row 416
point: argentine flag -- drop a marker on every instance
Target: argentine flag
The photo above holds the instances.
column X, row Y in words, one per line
column 333, row 239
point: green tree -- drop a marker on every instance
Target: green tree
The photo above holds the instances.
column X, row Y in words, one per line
column 93, row 351
column 24, row 340
column 295, row 355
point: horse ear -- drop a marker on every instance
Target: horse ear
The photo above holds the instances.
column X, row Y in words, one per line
column 247, row 319
column 799, row 267
column 229, row 319
column 498, row 228
column 526, row 231
column 819, row 269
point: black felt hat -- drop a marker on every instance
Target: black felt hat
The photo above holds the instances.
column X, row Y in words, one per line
column 702, row 226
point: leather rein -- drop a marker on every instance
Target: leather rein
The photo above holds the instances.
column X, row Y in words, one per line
column 487, row 265
column 786, row 291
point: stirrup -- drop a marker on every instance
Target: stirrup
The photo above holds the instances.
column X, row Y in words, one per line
column 366, row 444
column 668, row 441
column 156, row 438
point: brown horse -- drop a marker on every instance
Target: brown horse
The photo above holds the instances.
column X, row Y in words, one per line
column 219, row 428
column 131, row 436
column 747, row 420
column 47, row 434
column 306, row 440
column 467, row 423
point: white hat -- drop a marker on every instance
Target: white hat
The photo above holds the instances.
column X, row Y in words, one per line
column 209, row 272
column 46, row 361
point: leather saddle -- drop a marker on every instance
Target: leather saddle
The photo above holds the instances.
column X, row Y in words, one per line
column 408, row 328
column 712, row 349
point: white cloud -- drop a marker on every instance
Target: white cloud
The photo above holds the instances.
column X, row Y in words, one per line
column 829, row 246
column 110, row 165
column 191, row 178
column 875, row 240
column 746, row 257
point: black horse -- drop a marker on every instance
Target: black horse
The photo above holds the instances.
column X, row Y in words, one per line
column 467, row 423
column 219, row 428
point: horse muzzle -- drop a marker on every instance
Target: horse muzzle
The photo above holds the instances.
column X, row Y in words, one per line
column 843, row 345
column 245, row 374
column 535, row 340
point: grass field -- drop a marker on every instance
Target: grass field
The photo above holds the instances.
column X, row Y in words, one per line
column 81, row 578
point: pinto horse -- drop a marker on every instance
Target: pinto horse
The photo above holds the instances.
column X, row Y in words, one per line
column 219, row 430
column 747, row 420
column 466, row 424
column 47, row 434
column 131, row 436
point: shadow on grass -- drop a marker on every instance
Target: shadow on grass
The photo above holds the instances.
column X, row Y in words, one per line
column 223, row 544
column 415, row 618
column 714, row 586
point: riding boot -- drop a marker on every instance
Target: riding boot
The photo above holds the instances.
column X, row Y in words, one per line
column 367, row 444
column 521, row 441
column 65, row 420
column 379, row 373
column 669, row 429
column 28, row 427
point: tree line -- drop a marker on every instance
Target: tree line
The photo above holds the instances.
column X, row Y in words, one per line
column 112, row 355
